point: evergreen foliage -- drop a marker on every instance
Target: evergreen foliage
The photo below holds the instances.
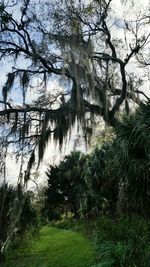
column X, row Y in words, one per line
column 17, row 216
column 114, row 178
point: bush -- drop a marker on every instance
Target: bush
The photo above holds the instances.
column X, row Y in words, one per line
column 122, row 243
column 54, row 215
column 29, row 221
column 85, row 227
column 115, row 254
column 18, row 217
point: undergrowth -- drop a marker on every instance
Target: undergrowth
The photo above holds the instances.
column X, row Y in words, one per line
column 120, row 242
column 124, row 242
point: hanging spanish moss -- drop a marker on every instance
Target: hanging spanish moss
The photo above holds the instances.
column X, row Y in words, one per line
column 77, row 49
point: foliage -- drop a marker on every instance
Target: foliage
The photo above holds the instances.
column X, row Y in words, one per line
column 30, row 218
column 82, row 225
column 130, row 161
column 74, row 45
column 123, row 242
column 79, row 183
column 7, row 196
column 101, row 185
column 113, row 178
column 17, row 216
column 65, row 184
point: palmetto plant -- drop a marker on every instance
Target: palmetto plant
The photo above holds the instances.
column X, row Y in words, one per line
column 131, row 159
column 101, row 187
column 118, row 172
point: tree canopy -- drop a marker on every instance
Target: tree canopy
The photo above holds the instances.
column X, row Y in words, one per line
column 73, row 46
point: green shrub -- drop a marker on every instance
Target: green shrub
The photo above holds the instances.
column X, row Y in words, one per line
column 67, row 224
column 116, row 254
column 122, row 243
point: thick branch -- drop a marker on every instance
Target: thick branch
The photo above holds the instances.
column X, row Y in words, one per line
column 120, row 100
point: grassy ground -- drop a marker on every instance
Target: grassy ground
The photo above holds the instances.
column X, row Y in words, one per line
column 54, row 248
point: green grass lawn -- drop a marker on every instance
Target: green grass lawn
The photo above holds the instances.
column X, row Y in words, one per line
column 54, row 248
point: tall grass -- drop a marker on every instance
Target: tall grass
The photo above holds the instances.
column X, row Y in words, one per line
column 124, row 242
